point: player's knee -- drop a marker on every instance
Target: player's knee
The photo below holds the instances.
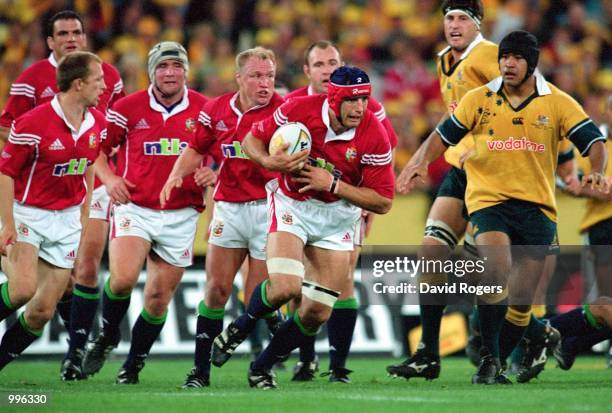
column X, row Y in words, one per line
column 217, row 294
column 86, row 272
column 284, row 289
column 314, row 315
column 156, row 302
column 21, row 292
column 320, row 303
column 438, row 234
column 120, row 286
column 37, row 316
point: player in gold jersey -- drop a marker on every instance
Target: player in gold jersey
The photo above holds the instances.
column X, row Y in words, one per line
column 469, row 61
column 516, row 123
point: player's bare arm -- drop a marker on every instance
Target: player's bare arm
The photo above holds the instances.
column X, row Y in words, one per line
column 116, row 186
column 90, row 175
column 189, row 160
column 596, row 180
column 4, row 133
column 8, row 235
column 417, row 167
column 319, row 179
column 281, row 161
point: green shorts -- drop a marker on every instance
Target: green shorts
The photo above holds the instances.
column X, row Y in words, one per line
column 453, row 185
column 523, row 222
column 600, row 240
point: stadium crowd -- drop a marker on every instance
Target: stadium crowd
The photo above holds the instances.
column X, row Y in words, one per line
column 395, row 41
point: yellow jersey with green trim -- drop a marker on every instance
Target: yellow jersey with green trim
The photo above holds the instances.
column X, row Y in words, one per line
column 516, row 149
column 476, row 67
column 596, row 210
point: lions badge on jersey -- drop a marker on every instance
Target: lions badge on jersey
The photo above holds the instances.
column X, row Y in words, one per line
column 351, row 154
column 92, row 140
column 190, row 125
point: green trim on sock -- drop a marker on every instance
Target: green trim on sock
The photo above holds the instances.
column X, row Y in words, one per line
column 152, row 319
column 303, row 329
column 26, row 327
column 271, row 314
column 210, row 313
column 5, row 296
column 111, row 295
column 590, row 318
column 264, row 295
column 84, row 295
column 348, row 304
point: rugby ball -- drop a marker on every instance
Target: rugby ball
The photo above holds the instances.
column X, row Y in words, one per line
column 295, row 134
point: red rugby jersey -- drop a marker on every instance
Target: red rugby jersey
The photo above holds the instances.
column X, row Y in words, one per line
column 221, row 129
column 150, row 140
column 47, row 158
column 38, row 84
column 360, row 156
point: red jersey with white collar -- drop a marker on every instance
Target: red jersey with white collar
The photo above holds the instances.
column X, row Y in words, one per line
column 360, row 156
column 221, row 129
column 373, row 105
column 150, row 140
column 47, row 157
column 38, row 84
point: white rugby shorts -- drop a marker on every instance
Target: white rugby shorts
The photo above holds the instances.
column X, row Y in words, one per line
column 240, row 225
column 170, row 232
column 324, row 225
column 56, row 234
column 100, row 204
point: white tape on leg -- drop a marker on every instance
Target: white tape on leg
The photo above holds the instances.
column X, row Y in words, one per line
column 289, row 266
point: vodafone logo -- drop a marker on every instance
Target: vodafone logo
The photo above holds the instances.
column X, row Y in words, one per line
column 516, row 144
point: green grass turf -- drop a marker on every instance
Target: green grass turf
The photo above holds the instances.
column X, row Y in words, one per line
column 585, row 388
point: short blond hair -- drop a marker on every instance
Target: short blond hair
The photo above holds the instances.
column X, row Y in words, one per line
column 259, row 52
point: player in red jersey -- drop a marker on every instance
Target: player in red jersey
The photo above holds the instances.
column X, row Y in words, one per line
column 313, row 212
column 38, row 85
column 238, row 227
column 151, row 127
column 320, row 60
column 44, row 180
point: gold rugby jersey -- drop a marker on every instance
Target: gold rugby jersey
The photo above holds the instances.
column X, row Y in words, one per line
column 477, row 66
column 596, row 210
column 516, row 149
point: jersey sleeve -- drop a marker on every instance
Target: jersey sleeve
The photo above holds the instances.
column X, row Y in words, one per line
column 20, row 150
column 377, row 169
column 263, row 130
column 459, row 123
column 22, row 98
column 116, row 130
column 204, row 136
column 577, row 126
column 566, row 152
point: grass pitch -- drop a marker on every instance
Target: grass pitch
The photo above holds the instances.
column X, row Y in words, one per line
column 585, row 388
